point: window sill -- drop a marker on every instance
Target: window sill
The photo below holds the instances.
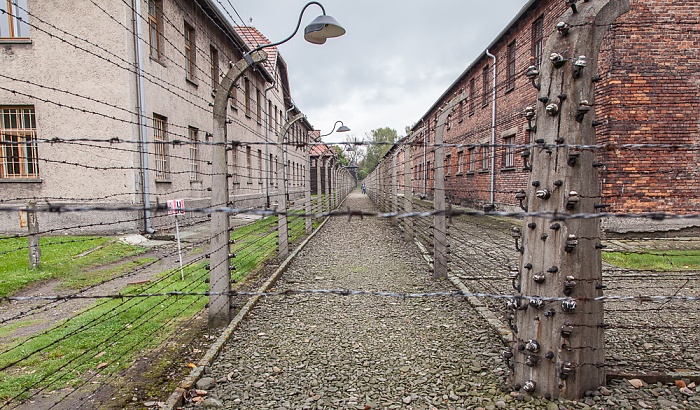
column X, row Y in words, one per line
column 508, row 169
column 192, row 81
column 469, row 174
column 510, row 89
column 22, row 180
column 163, row 181
column 155, row 60
column 484, row 171
column 10, row 40
column 459, row 174
column 195, row 181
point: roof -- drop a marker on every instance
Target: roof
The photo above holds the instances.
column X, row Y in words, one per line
column 254, row 38
column 321, row 151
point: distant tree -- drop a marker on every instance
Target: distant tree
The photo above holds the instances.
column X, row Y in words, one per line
column 381, row 141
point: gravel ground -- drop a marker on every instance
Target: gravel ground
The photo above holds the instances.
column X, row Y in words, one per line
column 364, row 352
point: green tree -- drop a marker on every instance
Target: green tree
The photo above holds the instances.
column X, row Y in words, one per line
column 381, row 141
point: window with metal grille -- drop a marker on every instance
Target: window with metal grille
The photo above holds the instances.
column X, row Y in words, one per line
column 13, row 20
column 471, row 153
column 537, row 41
column 20, row 157
column 160, row 136
column 484, row 157
column 460, row 162
column 194, row 153
column 509, row 151
column 154, row 28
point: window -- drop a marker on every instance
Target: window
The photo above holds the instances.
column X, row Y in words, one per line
column 260, row 167
column 160, row 136
column 511, row 67
column 13, row 20
column 537, row 41
column 214, row 56
column 249, row 163
column 485, row 86
column 484, row 157
column 460, row 162
column 247, row 96
column 19, row 155
column 234, row 96
column 471, row 153
column 190, row 53
column 448, row 159
column 460, row 111
column 154, row 28
column 509, row 151
column 472, row 96
column 270, row 169
column 194, row 153
column 259, row 101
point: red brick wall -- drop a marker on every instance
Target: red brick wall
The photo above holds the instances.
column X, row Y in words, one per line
column 649, row 93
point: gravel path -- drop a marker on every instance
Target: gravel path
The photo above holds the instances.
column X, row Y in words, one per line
column 364, row 352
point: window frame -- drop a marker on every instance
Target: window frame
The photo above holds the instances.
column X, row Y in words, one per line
column 190, row 52
column 508, row 156
column 537, row 34
column 214, row 56
column 17, row 26
column 471, row 152
column 472, row 96
column 511, row 66
column 160, row 151
column 194, row 162
column 24, row 154
column 460, row 162
column 485, row 86
column 155, row 29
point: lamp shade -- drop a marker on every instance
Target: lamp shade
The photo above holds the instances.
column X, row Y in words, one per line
column 322, row 28
column 343, row 128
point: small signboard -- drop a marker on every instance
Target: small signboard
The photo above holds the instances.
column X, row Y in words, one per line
column 176, row 207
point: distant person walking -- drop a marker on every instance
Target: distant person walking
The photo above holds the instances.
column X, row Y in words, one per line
column 364, row 189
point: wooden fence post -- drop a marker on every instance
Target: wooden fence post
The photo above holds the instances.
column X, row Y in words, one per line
column 33, row 239
column 558, row 346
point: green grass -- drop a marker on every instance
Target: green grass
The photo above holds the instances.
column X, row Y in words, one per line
column 61, row 257
column 84, row 279
column 656, row 260
column 106, row 337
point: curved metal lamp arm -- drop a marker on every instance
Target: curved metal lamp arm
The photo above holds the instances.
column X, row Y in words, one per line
column 333, row 130
column 295, row 30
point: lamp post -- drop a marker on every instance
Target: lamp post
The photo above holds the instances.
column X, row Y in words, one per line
column 316, row 32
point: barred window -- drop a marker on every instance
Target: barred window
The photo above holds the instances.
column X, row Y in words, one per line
column 13, row 19
column 20, row 157
column 511, row 67
column 214, row 56
column 537, row 40
column 509, row 152
column 194, row 153
column 160, row 136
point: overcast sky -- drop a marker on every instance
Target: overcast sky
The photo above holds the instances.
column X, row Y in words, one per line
column 395, row 60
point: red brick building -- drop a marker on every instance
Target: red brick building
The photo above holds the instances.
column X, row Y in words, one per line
column 648, row 93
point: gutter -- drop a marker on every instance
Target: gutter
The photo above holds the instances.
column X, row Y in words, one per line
column 492, row 204
column 141, row 108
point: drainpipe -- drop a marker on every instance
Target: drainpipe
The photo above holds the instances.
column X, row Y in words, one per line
column 267, row 148
column 492, row 204
column 141, row 107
